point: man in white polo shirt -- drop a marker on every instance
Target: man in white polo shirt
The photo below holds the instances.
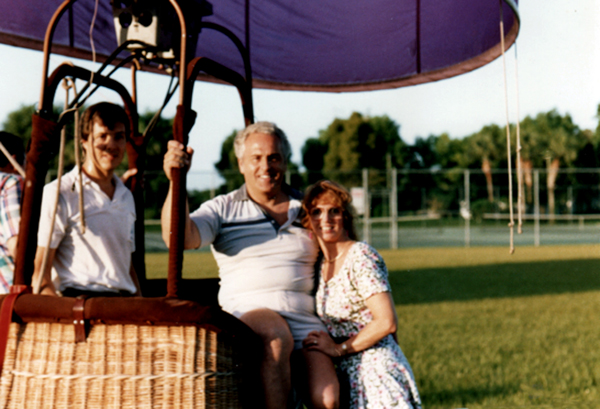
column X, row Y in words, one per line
column 95, row 259
column 265, row 257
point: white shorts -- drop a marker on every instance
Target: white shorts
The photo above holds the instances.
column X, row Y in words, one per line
column 298, row 309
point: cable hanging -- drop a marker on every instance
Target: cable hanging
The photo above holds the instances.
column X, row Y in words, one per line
column 520, row 204
column 67, row 84
column 520, row 187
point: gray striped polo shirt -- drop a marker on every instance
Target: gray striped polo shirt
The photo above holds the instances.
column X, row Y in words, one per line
column 258, row 259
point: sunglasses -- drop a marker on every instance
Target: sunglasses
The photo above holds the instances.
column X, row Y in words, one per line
column 334, row 212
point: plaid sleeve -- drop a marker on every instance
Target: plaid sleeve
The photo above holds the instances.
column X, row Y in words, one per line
column 10, row 207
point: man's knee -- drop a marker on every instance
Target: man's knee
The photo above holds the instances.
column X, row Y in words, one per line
column 271, row 328
column 328, row 399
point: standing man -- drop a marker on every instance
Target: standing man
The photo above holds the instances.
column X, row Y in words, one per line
column 94, row 260
column 11, row 185
column 266, row 259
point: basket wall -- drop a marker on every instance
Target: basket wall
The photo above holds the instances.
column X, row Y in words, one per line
column 119, row 366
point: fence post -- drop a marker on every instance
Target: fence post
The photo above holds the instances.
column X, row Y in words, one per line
column 213, row 189
column 394, row 210
column 367, row 205
column 570, row 202
column 467, row 209
column 288, row 177
column 536, row 207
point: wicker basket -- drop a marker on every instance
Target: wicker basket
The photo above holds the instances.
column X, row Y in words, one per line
column 122, row 366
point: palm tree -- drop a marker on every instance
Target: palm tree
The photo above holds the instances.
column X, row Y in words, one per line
column 550, row 140
column 487, row 147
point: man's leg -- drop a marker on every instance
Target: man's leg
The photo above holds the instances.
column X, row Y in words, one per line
column 278, row 344
column 322, row 381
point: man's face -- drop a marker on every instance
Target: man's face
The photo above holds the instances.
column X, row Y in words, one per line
column 104, row 148
column 262, row 164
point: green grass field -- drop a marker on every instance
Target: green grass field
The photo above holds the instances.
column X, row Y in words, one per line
column 484, row 329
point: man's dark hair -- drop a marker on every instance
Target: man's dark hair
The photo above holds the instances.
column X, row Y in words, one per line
column 110, row 115
column 14, row 145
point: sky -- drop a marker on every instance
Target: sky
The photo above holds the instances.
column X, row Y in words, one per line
column 558, row 67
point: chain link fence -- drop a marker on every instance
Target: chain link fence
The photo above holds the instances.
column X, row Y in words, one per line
column 433, row 208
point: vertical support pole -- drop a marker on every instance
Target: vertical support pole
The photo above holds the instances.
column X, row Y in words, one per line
column 394, row 209
column 367, row 207
column 213, row 191
column 467, row 209
column 570, row 200
column 536, row 207
column 288, row 177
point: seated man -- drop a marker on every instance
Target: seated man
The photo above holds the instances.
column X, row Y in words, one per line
column 11, row 185
column 265, row 257
column 95, row 260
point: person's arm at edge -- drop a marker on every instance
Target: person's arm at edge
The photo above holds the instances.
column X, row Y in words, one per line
column 177, row 158
column 47, row 286
column 11, row 245
column 11, row 199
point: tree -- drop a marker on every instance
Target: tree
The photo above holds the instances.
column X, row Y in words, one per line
column 596, row 136
column 156, row 184
column 423, row 154
column 449, row 151
column 227, row 166
column 587, row 183
column 19, row 123
column 550, row 139
column 352, row 144
column 313, row 158
column 431, row 190
column 487, row 147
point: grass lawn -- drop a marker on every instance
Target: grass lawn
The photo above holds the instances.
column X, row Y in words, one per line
column 484, row 329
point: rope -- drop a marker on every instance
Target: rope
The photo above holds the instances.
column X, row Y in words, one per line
column 67, row 84
column 520, row 197
column 92, row 45
column 76, row 125
column 12, row 160
column 38, row 283
column 511, row 222
column 78, row 164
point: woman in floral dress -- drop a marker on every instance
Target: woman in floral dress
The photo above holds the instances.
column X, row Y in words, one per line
column 354, row 301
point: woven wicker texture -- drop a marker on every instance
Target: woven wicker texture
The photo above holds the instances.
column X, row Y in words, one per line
column 119, row 366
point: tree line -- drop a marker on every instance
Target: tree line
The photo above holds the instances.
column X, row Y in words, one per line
column 549, row 141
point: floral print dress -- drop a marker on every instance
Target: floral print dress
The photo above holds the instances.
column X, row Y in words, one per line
column 380, row 376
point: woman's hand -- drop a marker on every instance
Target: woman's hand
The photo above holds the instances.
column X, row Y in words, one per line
column 321, row 341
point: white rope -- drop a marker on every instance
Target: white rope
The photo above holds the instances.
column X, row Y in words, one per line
column 38, row 283
column 520, row 197
column 77, row 130
column 92, row 45
column 61, row 153
column 511, row 222
column 79, row 167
